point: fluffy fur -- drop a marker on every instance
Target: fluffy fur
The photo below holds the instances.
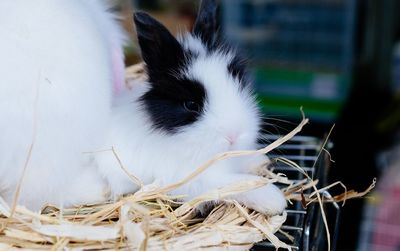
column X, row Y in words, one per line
column 196, row 104
column 60, row 61
column 150, row 130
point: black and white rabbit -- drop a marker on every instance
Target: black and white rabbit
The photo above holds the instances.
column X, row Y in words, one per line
column 196, row 104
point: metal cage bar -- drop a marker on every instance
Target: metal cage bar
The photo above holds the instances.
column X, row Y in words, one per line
column 305, row 225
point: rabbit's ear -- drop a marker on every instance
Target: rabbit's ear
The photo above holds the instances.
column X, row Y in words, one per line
column 160, row 50
column 205, row 26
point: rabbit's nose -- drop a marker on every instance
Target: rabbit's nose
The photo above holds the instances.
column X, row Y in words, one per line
column 232, row 137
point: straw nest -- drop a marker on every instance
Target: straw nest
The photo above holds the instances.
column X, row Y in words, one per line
column 150, row 219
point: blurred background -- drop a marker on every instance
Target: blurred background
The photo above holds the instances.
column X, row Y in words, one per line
column 340, row 61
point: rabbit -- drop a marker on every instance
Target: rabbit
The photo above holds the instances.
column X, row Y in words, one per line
column 196, row 103
column 63, row 106
column 61, row 64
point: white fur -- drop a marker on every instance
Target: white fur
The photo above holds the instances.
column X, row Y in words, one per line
column 60, row 53
column 153, row 155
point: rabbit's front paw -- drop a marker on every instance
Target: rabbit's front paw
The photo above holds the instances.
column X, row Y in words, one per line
column 258, row 165
column 267, row 199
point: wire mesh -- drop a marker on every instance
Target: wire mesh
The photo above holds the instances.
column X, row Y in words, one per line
column 305, row 225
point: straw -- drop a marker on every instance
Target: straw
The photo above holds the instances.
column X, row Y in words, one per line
column 151, row 219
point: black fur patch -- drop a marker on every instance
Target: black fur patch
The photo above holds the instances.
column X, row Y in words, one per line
column 206, row 29
column 205, row 26
column 174, row 101
column 167, row 100
column 238, row 68
column 159, row 48
column 164, row 102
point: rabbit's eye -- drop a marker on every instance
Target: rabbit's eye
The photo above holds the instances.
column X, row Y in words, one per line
column 191, row 106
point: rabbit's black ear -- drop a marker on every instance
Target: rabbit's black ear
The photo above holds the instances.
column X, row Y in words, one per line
column 160, row 50
column 205, row 26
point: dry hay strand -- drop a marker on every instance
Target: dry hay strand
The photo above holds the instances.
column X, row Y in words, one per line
column 150, row 219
